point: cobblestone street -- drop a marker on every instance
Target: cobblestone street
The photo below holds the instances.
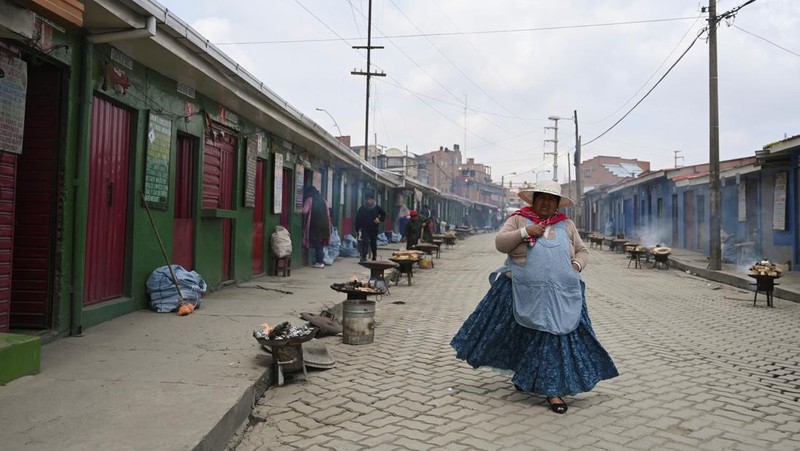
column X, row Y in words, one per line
column 700, row 368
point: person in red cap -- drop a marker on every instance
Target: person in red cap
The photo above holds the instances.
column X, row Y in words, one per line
column 413, row 230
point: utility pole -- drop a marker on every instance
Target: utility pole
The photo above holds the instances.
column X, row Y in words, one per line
column 578, row 175
column 368, row 74
column 677, row 157
column 464, row 152
column 715, row 239
column 554, row 153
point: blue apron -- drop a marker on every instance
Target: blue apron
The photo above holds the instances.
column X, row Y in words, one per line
column 547, row 290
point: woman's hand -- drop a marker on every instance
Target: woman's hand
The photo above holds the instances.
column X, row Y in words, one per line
column 535, row 230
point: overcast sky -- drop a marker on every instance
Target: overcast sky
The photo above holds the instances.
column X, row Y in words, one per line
column 487, row 74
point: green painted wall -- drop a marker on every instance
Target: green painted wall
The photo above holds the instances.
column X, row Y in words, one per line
column 150, row 91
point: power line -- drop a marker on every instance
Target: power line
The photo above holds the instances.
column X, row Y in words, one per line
column 664, row 61
column 648, row 92
column 766, row 40
column 452, row 63
column 462, row 33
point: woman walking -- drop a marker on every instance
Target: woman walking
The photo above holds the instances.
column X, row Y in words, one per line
column 534, row 320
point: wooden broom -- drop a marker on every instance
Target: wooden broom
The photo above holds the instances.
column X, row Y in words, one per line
column 184, row 308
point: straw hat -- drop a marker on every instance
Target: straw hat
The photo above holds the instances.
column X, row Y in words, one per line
column 545, row 186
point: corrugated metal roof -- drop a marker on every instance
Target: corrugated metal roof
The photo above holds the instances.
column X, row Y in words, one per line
column 623, row 169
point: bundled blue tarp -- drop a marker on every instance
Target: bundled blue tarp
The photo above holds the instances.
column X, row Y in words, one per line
column 388, row 237
column 164, row 296
column 331, row 252
column 349, row 246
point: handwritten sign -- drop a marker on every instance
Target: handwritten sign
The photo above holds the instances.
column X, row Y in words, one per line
column 156, row 172
column 299, row 173
column 277, row 185
column 13, row 87
column 250, row 173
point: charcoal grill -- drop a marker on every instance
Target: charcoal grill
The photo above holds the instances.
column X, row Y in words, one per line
column 355, row 291
column 287, row 355
column 765, row 283
column 660, row 256
column 376, row 276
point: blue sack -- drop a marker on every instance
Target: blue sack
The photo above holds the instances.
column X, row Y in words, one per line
column 349, row 246
column 164, row 296
column 331, row 252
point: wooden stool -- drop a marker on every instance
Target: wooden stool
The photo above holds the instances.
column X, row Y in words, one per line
column 283, row 264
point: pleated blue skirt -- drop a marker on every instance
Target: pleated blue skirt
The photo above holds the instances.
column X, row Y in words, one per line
column 543, row 363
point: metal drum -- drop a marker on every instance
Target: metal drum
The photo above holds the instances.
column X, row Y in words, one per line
column 358, row 322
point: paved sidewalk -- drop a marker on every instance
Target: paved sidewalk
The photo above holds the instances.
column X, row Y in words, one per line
column 149, row 381
column 699, row 365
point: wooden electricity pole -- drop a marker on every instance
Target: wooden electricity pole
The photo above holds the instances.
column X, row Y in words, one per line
column 368, row 74
column 715, row 240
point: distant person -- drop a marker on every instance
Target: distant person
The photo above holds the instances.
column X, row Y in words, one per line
column 413, row 230
column 403, row 215
column 466, row 221
column 316, row 224
column 534, row 321
column 368, row 218
column 427, row 224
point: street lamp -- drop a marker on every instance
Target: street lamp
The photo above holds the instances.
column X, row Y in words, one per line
column 503, row 178
column 546, row 171
column 503, row 191
column 334, row 120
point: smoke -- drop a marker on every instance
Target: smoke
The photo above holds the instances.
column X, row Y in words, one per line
column 651, row 235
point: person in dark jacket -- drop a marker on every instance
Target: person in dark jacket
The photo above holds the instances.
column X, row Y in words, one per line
column 316, row 224
column 413, row 230
column 368, row 218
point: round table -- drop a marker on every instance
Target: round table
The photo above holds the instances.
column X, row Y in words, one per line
column 405, row 266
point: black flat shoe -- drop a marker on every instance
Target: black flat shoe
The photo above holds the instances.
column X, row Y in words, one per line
column 557, row 404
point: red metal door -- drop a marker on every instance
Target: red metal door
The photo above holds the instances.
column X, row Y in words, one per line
column 183, row 225
column 106, row 236
column 36, row 203
column 8, row 173
column 258, row 218
column 219, row 162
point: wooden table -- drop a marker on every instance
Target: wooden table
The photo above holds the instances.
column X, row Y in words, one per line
column 618, row 244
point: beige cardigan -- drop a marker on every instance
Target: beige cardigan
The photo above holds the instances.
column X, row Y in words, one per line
column 509, row 241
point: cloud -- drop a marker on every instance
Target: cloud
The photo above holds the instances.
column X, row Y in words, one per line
column 512, row 80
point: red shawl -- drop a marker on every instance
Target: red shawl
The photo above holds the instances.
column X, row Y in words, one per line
column 527, row 212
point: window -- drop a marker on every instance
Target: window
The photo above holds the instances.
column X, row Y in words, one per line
column 587, row 173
